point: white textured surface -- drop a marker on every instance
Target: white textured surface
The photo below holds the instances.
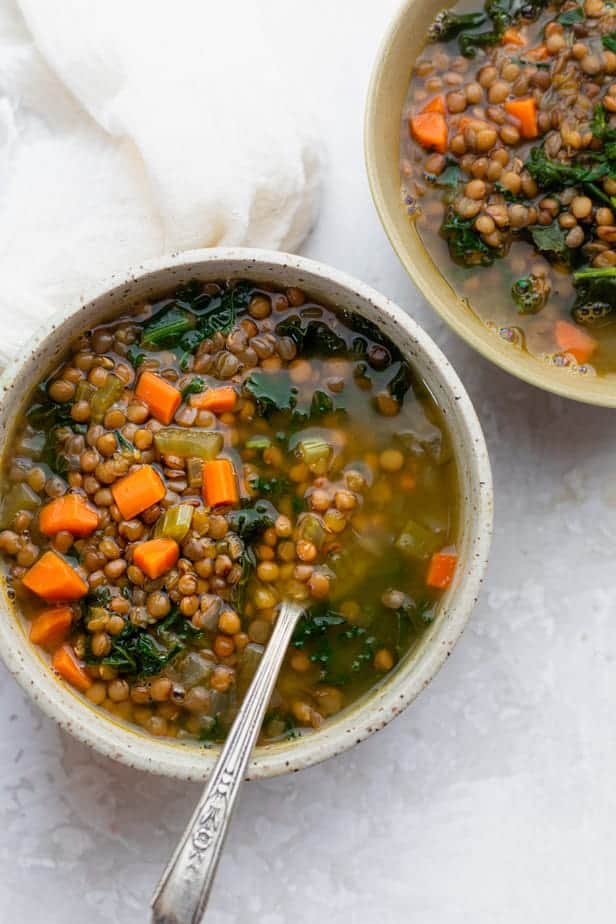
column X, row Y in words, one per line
column 492, row 800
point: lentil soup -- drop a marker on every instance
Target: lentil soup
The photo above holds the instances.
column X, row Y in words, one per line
column 508, row 163
column 193, row 462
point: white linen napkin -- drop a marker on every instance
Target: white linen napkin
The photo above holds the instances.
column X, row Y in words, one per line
column 130, row 129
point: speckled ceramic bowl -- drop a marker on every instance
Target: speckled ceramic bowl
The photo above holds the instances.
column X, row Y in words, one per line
column 128, row 744
column 391, row 76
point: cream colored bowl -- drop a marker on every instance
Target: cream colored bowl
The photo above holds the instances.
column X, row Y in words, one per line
column 391, row 76
column 191, row 761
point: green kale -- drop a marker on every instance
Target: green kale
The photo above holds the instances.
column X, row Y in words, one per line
column 217, row 316
column 609, row 41
column 321, row 340
column 599, row 126
column 314, row 623
column 136, row 652
column 272, row 393
column 189, row 291
column 450, row 178
column 465, row 244
column 471, row 42
column 166, row 327
column 506, row 193
column 401, row 381
column 273, row 487
column 194, row 387
column 135, row 356
column 292, row 327
column 50, row 417
column 502, row 13
column 570, row 17
column 249, row 522
column 179, row 628
column 100, row 596
column 551, row 174
column 185, row 323
column 248, row 562
column 530, row 293
column 550, row 239
column 124, row 445
column 595, row 303
column 447, row 24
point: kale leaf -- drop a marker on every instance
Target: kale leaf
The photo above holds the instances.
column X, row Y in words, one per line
column 549, row 174
column 314, row 623
column 272, row 487
column 49, row 417
column 595, row 303
column 137, row 653
column 570, row 17
column 251, row 521
column 272, row 393
column 447, row 24
column 166, row 327
column 502, row 13
column 194, row 387
column 178, row 627
column 465, row 244
column 609, row 41
column 185, row 323
column 135, row 356
column 550, row 239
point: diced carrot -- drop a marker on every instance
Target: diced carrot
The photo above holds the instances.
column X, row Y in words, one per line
column 65, row 662
column 49, row 628
column 54, row 580
column 441, row 569
column 539, row 53
column 156, row 556
column 436, row 104
column 160, row 396
column 525, row 111
column 511, row 36
column 217, row 400
column 219, row 483
column 430, row 130
column 71, row 513
column 136, row 492
column 573, row 339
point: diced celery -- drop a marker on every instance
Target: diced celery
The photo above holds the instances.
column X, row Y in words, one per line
column 104, row 397
column 20, row 497
column 194, row 472
column 415, row 541
column 84, row 390
column 258, row 442
column 177, row 441
column 314, row 449
column 175, row 523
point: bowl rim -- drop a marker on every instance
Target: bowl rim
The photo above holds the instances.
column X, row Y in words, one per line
column 168, row 758
column 536, row 373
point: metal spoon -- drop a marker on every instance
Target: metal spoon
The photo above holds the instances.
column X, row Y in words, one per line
column 183, row 891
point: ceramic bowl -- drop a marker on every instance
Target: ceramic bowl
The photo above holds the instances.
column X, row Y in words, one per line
column 401, row 46
column 128, row 744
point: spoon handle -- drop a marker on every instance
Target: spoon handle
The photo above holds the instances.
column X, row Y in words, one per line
column 183, row 891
